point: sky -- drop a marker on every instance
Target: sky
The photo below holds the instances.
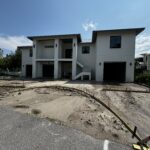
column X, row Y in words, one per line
column 22, row 18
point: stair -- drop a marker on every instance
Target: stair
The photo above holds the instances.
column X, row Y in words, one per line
column 82, row 74
column 79, row 64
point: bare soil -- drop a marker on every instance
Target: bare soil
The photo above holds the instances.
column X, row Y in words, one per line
column 74, row 110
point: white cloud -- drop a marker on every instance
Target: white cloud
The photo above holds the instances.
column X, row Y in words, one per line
column 142, row 44
column 11, row 42
column 89, row 25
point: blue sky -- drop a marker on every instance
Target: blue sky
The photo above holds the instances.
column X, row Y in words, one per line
column 20, row 18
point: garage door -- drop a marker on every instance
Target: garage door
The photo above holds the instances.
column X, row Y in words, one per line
column 48, row 70
column 28, row 70
column 115, row 71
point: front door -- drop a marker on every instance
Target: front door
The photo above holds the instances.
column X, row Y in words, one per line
column 28, row 70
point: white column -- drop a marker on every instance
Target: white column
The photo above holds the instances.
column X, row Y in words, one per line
column 34, row 66
column 56, row 49
column 74, row 57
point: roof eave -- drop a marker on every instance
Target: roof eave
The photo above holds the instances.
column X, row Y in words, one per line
column 55, row 36
column 137, row 31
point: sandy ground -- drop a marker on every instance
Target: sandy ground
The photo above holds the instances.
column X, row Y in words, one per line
column 82, row 113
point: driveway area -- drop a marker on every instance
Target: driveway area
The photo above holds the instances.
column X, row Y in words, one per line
column 23, row 132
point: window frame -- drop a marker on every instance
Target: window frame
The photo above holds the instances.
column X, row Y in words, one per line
column 111, row 44
column 49, row 46
column 85, row 46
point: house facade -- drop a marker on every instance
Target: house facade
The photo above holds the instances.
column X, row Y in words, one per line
column 146, row 60
column 108, row 57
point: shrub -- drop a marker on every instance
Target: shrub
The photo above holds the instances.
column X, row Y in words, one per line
column 143, row 78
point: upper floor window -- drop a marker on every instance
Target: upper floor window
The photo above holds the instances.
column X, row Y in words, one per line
column 85, row 49
column 30, row 52
column 115, row 42
column 49, row 46
column 68, row 53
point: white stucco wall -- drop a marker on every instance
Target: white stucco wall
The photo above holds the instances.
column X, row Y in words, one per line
column 74, row 57
column 59, row 70
column 144, row 59
column 87, row 60
column 26, row 60
column 45, row 53
column 124, row 54
column 148, row 62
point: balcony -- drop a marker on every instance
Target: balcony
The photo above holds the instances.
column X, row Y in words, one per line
column 45, row 49
column 65, row 49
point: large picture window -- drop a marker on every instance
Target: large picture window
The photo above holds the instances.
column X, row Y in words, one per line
column 115, row 42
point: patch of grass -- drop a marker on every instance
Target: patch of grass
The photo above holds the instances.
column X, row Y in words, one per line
column 143, row 78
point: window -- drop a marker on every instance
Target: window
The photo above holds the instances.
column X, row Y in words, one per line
column 115, row 42
column 49, row 46
column 68, row 53
column 30, row 52
column 85, row 49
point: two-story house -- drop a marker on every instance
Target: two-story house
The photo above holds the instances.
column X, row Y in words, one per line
column 108, row 57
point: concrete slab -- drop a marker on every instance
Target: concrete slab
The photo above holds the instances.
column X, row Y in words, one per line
column 23, row 132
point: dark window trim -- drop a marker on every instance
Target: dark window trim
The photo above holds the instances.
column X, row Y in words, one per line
column 49, row 46
column 112, row 47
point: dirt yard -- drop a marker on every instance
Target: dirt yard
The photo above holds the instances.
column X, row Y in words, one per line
column 71, row 109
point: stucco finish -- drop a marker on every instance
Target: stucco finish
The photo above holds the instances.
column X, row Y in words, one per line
column 87, row 60
column 124, row 54
column 43, row 52
column 146, row 60
column 26, row 60
column 100, row 52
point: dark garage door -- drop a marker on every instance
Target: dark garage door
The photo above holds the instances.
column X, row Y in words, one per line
column 115, row 72
column 48, row 70
column 28, row 70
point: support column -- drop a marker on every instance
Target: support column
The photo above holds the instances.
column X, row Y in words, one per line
column 56, row 49
column 34, row 65
column 74, row 58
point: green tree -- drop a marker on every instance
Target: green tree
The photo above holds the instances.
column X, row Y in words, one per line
column 11, row 61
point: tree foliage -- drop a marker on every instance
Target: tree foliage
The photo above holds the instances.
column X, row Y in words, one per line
column 11, row 61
